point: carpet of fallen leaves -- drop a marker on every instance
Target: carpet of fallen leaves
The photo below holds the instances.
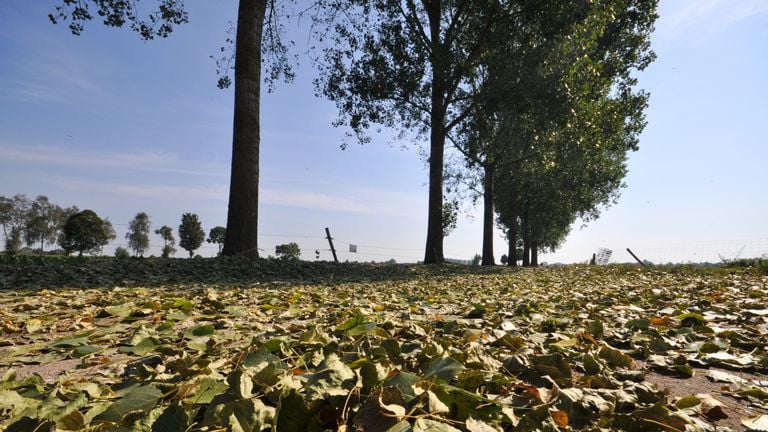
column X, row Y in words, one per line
column 569, row 348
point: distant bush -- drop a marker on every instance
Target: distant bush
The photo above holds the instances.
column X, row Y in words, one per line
column 122, row 253
column 757, row 263
column 289, row 251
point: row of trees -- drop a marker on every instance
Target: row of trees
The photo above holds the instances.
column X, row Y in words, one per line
column 40, row 222
column 536, row 97
column 191, row 235
column 37, row 222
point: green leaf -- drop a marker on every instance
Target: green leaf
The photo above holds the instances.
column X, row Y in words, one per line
column 292, row 414
column 208, row 389
column 72, row 421
column 444, row 368
column 331, row 378
column 691, row 319
column 615, row 357
column 140, row 398
column 688, row 402
column 173, row 419
column 427, row 425
column 201, row 330
column 405, row 382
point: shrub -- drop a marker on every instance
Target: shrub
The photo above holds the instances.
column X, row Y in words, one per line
column 122, row 253
column 289, row 251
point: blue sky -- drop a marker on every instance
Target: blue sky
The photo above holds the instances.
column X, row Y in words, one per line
column 108, row 122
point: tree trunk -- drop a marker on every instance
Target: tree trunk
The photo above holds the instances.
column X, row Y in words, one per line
column 526, row 244
column 433, row 253
column 488, row 215
column 512, row 253
column 534, row 254
column 243, row 215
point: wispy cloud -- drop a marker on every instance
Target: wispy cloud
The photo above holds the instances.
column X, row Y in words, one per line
column 357, row 201
column 216, row 192
column 312, row 200
column 147, row 162
column 681, row 16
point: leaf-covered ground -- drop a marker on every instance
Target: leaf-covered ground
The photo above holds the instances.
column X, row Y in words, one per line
column 581, row 348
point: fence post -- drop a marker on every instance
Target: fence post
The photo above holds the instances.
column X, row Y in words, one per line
column 330, row 242
column 635, row 257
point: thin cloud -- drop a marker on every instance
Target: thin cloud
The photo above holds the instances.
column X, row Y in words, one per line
column 311, row 200
column 685, row 16
column 146, row 162
column 137, row 190
column 358, row 202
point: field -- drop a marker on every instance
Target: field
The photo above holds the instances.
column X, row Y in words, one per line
column 179, row 345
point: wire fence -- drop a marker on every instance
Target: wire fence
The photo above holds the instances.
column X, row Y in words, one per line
column 316, row 247
column 711, row 251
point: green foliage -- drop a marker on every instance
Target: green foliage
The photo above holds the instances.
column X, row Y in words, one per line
column 450, row 216
column 166, row 233
column 158, row 23
column 138, row 233
column 86, row 232
column 13, row 217
column 288, row 251
column 217, row 235
column 191, row 234
column 408, row 67
column 122, row 253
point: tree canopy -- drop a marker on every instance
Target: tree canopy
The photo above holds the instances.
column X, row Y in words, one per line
column 86, row 232
column 191, row 234
column 138, row 233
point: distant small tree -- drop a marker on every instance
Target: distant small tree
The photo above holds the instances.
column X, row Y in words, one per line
column 191, row 234
column 43, row 221
column 504, row 259
column 13, row 241
column 13, row 218
column 86, row 232
column 476, row 260
column 166, row 233
column 216, row 236
column 138, row 233
column 122, row 253
column 289, row 251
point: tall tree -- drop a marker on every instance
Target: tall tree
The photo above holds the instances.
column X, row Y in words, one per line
column 138, row 233
column 406, row 64
column 540, row 79
column 191, row 234
column 253, row 22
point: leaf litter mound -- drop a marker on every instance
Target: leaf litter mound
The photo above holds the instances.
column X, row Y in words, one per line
column 574, row 348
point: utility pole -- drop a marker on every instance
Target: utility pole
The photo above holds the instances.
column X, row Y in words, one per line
column 330, row 242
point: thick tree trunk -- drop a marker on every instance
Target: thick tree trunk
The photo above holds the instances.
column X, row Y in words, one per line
column 534, row 254
column 243, row 215
column 488, row 216
column 433, row 253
